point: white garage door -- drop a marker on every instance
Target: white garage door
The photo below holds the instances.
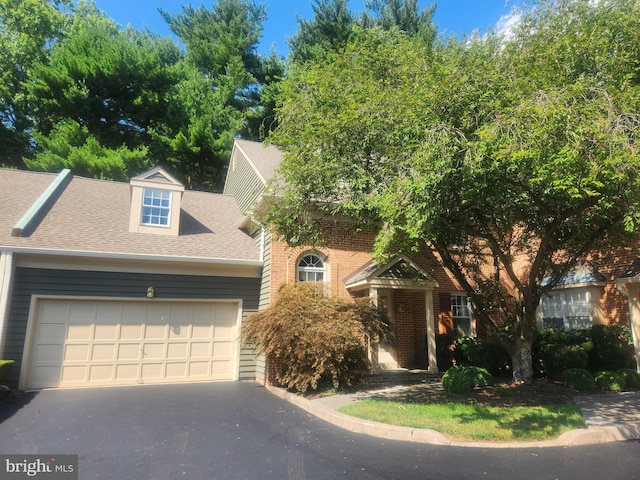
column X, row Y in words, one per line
column 94, row 343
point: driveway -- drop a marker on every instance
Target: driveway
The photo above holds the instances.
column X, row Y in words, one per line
column 238, row 430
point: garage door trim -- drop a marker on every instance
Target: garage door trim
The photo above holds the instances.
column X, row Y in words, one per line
column 37, row 298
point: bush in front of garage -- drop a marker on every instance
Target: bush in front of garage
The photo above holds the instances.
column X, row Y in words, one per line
column 5, row 369
column 316, row 339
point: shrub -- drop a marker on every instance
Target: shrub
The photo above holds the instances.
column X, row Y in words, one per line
column 578, row 379
column 462, row 379
column 484, row 353
column 612, row 348
column 609, row 381
column 445, row 350
column 631, row 378
column 315, row 338
column 545, row 351
column 555, row 358
column 5, row 369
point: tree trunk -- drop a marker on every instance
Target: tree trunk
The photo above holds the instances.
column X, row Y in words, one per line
column 521, row 359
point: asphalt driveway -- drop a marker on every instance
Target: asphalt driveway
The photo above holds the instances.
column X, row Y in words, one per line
column 238, row 430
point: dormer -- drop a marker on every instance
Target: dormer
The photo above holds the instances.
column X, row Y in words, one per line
column 155, row 203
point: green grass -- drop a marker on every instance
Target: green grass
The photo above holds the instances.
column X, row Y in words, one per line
column 473, row 422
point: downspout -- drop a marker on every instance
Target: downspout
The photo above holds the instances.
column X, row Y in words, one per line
column 6, row 273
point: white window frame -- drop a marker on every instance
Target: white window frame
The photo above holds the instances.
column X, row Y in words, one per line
column 461, row 314
column 158, row 202
column 573, row 306
column 307, row 268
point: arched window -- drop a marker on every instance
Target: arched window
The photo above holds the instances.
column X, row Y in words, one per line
column 311, row 268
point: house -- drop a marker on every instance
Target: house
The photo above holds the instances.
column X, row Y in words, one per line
column 419, row 296
column 111, row 283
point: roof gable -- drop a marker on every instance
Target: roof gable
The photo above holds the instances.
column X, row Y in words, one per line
column 398, row 272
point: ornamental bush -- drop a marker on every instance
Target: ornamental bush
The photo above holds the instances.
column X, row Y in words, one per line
column 612, row 348
column 578, row 379
column 484, row 353
column 315, row 339
column 631, row 378
column 462, row 379
column 5, row 369
column 555, row 358
column 609, row 381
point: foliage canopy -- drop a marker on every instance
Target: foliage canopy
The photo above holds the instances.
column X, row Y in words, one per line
column 510, row 158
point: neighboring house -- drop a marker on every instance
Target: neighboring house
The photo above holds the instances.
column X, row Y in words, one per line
column 109, row 283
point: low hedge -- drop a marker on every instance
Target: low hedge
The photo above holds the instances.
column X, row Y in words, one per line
column 463, row 379
column 578, row 379
column 609, row 381
column 5, row 369
column 631, row 378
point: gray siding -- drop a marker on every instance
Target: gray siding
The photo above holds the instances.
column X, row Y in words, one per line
column 243, row 182
column 29, row 281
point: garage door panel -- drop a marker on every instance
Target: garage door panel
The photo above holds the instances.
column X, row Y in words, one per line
column 177, row 351
column 77, row 332
column 81, row 312
column 200, row 350
column 101, row 353
column 130, row 332
column 128, row 351
column 155, row 332
column 80, row 343
column 107, row 332
column 48, row 353
column 76, row 353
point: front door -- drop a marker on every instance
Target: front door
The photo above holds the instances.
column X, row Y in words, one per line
column 386, row 351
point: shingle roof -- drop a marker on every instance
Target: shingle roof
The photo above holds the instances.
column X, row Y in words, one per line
column 265, row 158
column 93, row 216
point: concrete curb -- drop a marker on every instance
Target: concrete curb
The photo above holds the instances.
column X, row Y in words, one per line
column 583, row 436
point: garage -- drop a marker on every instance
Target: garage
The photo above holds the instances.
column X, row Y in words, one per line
column 80, row 343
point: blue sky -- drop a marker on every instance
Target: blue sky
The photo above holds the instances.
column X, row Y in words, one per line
column 452, row 16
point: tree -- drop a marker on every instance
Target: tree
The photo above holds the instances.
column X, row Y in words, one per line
column 402, row 14
column 104, row 91
column 508, row 159
column 27, row 27
column 328, row 31
column 333, row 25
column 231, row 96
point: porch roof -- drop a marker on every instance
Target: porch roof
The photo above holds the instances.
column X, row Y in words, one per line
column 399, row 272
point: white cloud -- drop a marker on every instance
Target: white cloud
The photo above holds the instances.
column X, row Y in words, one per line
column 507, row 23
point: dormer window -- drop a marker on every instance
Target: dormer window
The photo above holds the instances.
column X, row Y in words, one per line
column 155, row 203
column 156, row 207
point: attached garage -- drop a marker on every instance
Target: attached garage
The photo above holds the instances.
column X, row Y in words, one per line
column 82, row 342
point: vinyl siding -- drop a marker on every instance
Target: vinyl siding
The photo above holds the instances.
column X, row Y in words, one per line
column 29, row 281
column 243, row 182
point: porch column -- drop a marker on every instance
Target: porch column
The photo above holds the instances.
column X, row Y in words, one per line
column 373, row 347
column 431, row 332
column 634, row 311
column 6, row 272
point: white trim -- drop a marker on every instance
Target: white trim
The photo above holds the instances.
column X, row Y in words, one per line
column 6, row 273
column 33, row 309
column 132, row 256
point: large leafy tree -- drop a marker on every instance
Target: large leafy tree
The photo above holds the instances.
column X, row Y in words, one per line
column 507, row 159
column 27, row 27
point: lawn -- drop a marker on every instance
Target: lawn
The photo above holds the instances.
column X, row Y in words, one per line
column 498, row 413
